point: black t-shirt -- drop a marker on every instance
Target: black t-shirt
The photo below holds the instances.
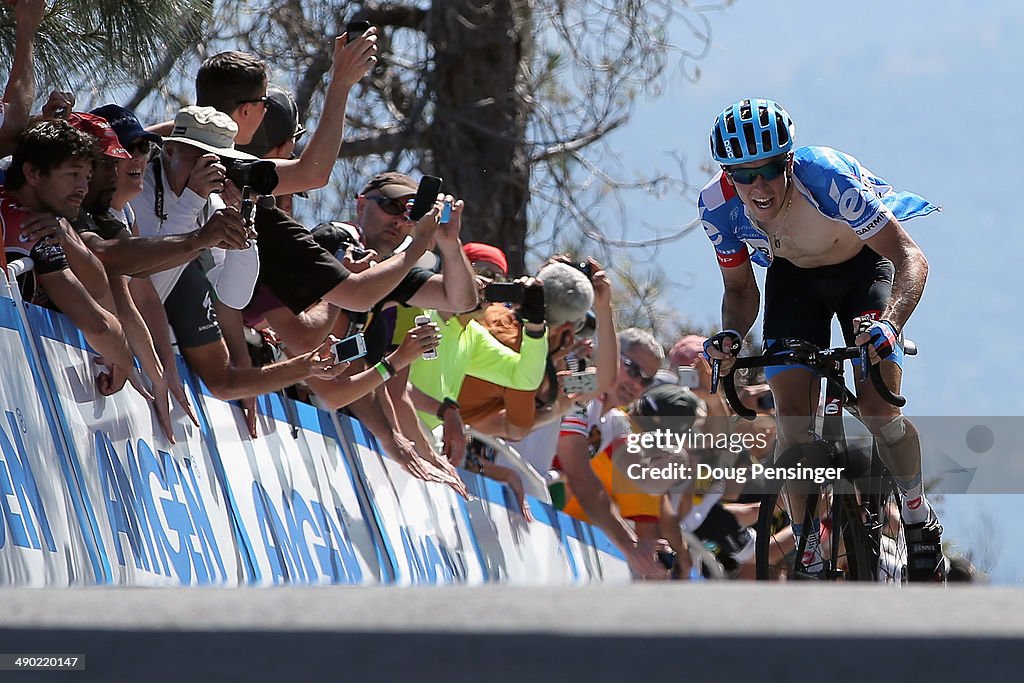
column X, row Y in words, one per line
column 293, row 266
column 381, row 329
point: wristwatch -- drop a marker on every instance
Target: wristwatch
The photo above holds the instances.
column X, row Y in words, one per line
column 447, row 403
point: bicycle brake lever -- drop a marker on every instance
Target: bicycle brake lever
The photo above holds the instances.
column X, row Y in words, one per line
column 865, row 362
column 716, row 369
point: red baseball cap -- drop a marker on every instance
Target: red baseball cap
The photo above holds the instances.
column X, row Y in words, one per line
column 478, row 251
column 100, row 130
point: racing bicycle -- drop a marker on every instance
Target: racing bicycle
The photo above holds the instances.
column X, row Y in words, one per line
column 862, row 532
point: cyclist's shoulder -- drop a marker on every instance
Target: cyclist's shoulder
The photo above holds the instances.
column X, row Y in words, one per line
column 717, row 195
column 813, row 164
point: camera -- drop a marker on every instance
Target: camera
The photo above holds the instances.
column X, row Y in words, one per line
column 587, row 268
column 259, row 174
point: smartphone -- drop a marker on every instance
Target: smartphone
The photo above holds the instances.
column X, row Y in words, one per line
column 426, row 195
column 423, row 320
column 354, row 29
column 248, row 209
column 504, row 292
column 688, row 377
column 446, row 212
column 580, row 383
column 350, row 348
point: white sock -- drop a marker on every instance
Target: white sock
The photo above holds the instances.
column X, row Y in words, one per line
column 915, row 507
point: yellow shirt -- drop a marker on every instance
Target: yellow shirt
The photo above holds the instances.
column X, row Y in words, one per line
column 471, row 348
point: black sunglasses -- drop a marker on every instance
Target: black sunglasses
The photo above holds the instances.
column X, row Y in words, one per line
column 488, row 272
column 261, row 100
column 142, row 147
column 770, row 171
column 635, row 372
column 392, row 207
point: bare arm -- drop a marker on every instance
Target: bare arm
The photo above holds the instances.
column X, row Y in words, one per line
column 100, row 327
column 911, row 268
column 360, row 291
column 21, row 84
column 313, row 168
column 741, row 299
column 213, row 364
column 575, row 460
column 135, row 330
column 454, row 289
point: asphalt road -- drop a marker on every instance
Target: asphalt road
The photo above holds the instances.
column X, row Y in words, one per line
column 655, row 633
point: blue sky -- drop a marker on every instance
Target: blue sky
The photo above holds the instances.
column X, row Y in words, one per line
column 927, row 96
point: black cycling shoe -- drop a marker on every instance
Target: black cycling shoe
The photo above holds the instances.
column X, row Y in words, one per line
column 925, row 561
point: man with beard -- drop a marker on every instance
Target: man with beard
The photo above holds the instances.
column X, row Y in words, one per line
column 46, row 186
column 118, row 176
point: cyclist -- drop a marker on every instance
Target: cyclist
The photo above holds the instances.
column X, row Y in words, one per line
column 829, row 232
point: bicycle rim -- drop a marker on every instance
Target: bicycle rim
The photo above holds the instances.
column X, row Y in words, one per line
column 886, row 535
column 856, row 558
column 849, row 549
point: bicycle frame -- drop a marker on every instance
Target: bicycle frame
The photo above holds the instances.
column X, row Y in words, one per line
column 854, row 510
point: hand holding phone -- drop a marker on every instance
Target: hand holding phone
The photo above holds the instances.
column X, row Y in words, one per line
column 248, row 211
column 355, row 29
column 689, row 377
column 426, row 195
column 504, row 292
column 580, row 382
column 423, row 320
column 349, row 348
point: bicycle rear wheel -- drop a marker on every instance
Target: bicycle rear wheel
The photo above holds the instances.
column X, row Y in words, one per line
column 846, row 543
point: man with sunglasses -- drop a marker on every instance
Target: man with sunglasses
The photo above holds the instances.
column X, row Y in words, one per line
column 829, row 231
column 236, row 83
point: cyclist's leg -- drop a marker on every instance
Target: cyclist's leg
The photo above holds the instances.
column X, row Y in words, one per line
column 793, row 309
column 898, row 441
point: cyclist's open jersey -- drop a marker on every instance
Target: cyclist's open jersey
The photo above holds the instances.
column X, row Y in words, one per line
column 833, row 182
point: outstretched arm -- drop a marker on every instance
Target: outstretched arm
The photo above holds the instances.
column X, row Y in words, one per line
column 21, row 85
column 313, row 168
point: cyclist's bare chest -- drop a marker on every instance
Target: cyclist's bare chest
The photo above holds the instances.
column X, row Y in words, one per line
column 808, row 239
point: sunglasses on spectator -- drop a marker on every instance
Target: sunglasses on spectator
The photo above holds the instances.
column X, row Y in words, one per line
column 770, row 171
column 392, row 207
column 489, row 273
column 260, row 100
column 635, row 372
column 144, row 148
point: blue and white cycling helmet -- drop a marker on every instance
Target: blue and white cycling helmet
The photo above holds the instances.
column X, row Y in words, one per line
column 751, row 130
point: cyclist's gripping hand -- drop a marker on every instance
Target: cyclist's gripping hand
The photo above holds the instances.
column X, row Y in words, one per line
column 885, row 340
column 724, row 347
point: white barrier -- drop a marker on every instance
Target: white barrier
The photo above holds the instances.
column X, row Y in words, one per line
column 41, row 528
column 91, row 492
